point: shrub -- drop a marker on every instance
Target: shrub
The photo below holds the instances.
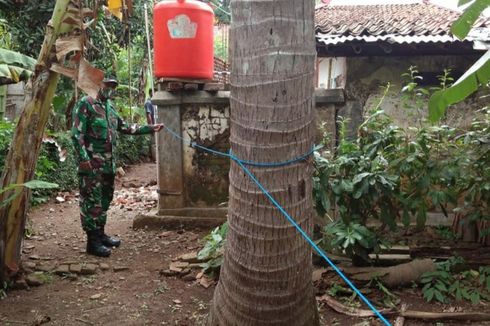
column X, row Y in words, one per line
column 63, row 170
column 390, row 174
column 6, row 133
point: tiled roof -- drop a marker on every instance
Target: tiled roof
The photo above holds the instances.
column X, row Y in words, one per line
column 360, row 21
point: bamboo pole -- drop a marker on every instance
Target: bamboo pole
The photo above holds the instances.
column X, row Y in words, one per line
column 149, row 48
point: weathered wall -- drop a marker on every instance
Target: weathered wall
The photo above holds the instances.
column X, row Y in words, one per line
column 3, row 99
column 366, row 75
column 14, row 101
column 205, row 175
column 195, row 178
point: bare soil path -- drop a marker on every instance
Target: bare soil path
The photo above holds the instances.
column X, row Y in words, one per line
column 128, row 288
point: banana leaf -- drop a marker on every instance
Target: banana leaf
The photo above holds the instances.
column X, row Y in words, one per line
column 15, row 67
column 478, row 74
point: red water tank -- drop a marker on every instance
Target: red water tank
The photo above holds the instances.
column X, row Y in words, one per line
column 183, row 39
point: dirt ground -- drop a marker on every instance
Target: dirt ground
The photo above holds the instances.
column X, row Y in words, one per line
column 128, row 288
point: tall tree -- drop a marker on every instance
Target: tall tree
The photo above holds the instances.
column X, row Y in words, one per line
column 266, row 275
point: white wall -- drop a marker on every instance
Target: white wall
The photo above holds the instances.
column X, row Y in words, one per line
column 332, row 72
column 15, row 95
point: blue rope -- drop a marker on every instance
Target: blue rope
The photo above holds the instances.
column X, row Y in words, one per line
column 309, row 240
column 291, row 220
column 250, row 163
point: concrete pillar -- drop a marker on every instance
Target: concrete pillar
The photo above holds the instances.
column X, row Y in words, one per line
column 169, row 159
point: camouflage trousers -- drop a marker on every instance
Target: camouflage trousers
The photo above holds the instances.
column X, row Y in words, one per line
column 96, row 192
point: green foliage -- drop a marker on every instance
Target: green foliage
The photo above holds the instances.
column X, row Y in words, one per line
column 477, row 76
column 354, row 239
column 3, row 290
column 444, row 284
column 463, row 25
column 33, row 185
column 15, row 66
column 131, row 149
column 221, row 49
column 445, row 232
column 52, row 168
column 212, row 252
column 6, row 134
column 5, row 36
column 389, row 299
column 27, row 31
column 222, row 10
column 108, row 40
column 392, row 174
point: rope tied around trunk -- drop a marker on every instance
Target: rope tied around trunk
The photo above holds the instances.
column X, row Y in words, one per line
column 242, row 164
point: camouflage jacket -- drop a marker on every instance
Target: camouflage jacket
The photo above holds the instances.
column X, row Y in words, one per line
column 94, row 133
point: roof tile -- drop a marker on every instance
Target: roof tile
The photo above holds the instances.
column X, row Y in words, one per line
column 410, row 19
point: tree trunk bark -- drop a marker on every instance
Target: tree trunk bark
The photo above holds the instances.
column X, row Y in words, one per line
column 24, row 151
column 266, row 275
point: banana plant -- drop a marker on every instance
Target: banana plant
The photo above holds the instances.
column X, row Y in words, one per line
column 15, row 67
column 475, row 77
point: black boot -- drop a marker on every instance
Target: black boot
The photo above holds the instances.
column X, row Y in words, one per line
column 109, row 241
column 95, row 246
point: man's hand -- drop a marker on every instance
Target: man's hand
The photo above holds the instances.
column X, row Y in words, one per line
column 158, row 127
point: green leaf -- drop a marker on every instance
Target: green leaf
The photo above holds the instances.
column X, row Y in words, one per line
column 38, row 184
column 347, row 185
column 463, row 2
column 13, row 58
column 387, row 217
column 58, row 103
column 439, row 296
column 478, row 74
column 465, row 22
column 324, row 199
column 421, row 217
column 458, row 294
column 7, row 201
column 359, row 177
column 15, row 67
column 475, row 297
column 429, row 294
column 441, row 287
column 406, row 217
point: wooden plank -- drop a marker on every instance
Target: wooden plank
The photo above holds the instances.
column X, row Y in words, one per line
column 472, row 253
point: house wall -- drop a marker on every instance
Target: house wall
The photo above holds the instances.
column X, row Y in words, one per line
column 365, row 76
column 205, row 175
column 3, row 99
column 14, row 100
column 331, row 72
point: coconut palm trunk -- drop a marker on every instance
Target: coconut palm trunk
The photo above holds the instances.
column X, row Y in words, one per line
column 24, row 150
column 266, row 275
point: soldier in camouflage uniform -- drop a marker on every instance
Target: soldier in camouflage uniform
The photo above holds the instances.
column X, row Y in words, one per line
column 95, row 122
